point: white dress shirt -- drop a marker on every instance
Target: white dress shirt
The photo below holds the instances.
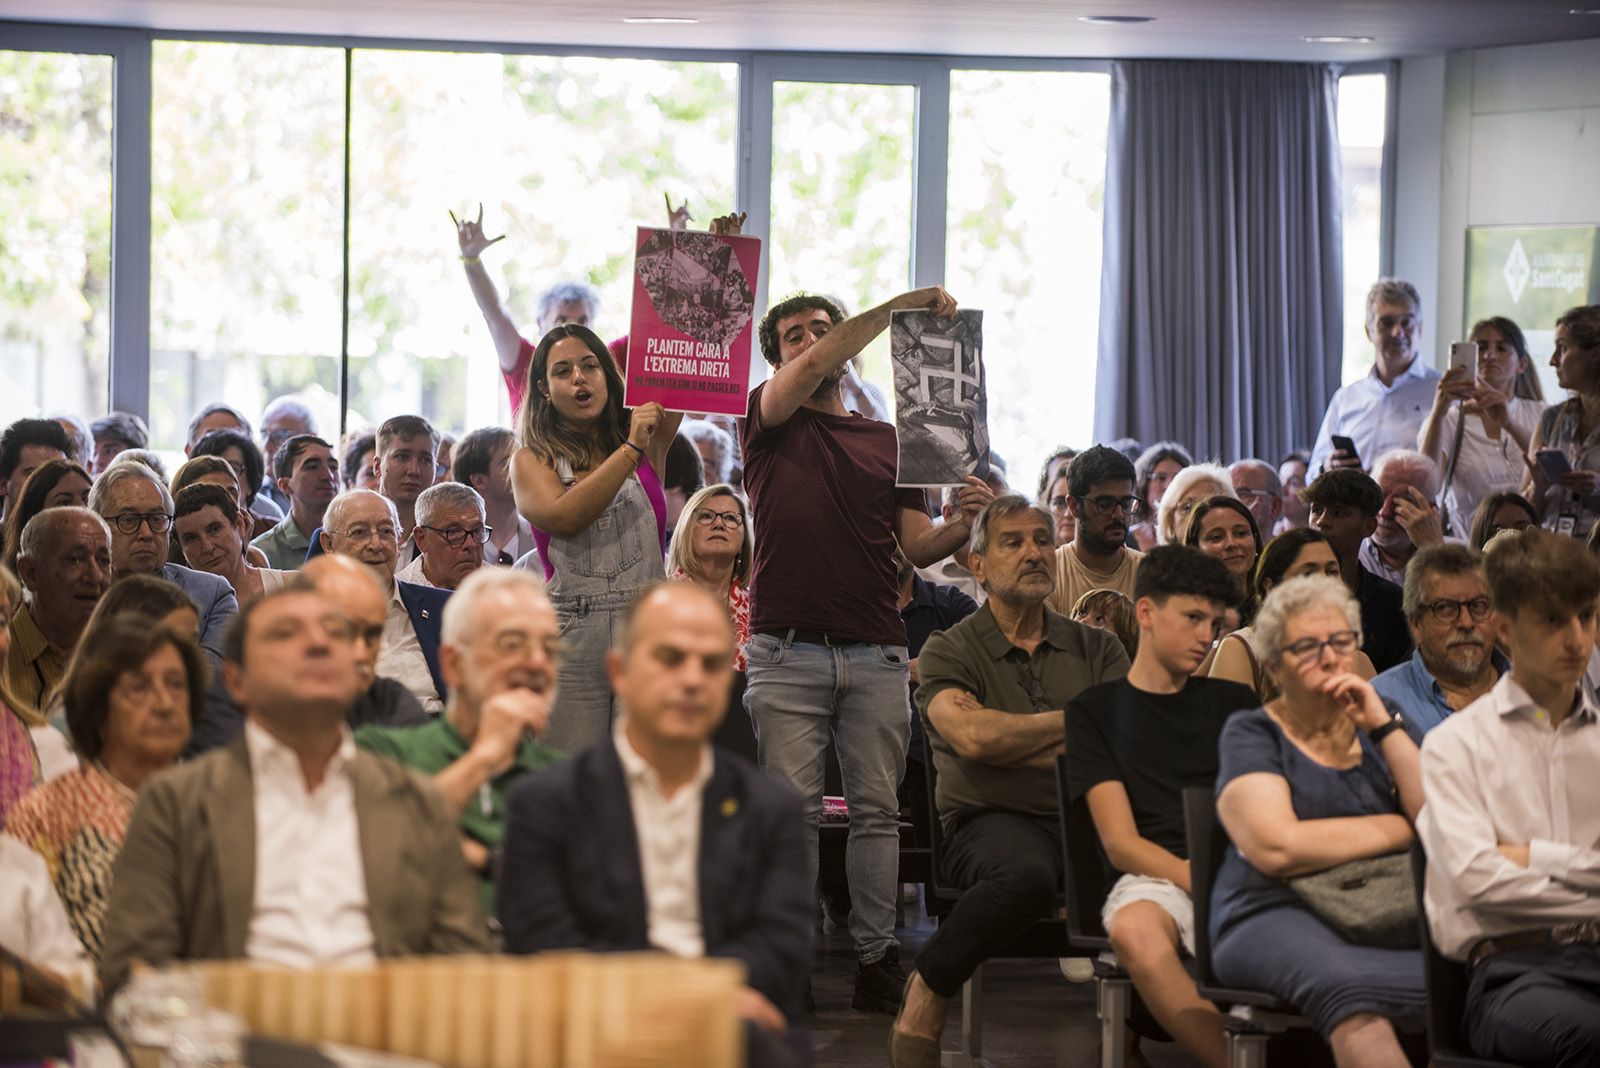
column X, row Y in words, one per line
column 668, row 830
column 310, row 903
column 949, row 573
column 1497, row 773
column 400, row 656
column 516, row 546
column 413, row 573
column 33, row 923
column 1375, row 416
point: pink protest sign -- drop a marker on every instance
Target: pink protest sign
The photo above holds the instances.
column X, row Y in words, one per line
column 693, row 317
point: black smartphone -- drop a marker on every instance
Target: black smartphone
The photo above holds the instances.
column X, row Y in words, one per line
column 1347, row 445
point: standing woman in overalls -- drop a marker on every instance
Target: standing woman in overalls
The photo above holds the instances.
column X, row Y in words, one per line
column 586, row 478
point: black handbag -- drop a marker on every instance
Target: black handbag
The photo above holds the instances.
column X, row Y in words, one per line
column 1369, row 902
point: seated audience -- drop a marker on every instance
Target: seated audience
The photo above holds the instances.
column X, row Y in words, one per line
column 133, row 692
column 33, row 923
column 682, row 478
column 1496, row 512
column 361, row 524
column 31, row 750
column 653, row 839
column 215, row 471
column 358, row 591
column 211, row 534
column 1186, row 490
column 25, row 446
column 236, row 447
column 116, row 433
column 482, row 460
column 449, row 535
column 1101, row 502
column 1257, row 484
column 1513, row 818
column 403, row 458
column 1571, row 503
column 308, row 478
column 956, row 569
column 1292, row 473
column 356, row 465
column 64, row 563
column 991, row 695
column 1409, row 520
column 1153, row 471
column 1110, row 611
column 82, row 451
column 53, row 484
column 1292, row 554
column 1058, row 499
column 1133, row 747
column 1225, row 528
column 716, row 448
column 1055, row 466
column 282, row 420
column 499, row 654
column 290, row 847
column 147, row 458
column 138, row 511
column 1322, row 776
column 1344, row 507
column 214, row 416
column 1456, row 662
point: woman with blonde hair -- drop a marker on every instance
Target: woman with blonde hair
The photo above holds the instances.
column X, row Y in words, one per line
column 713, row 547
column 1186, row 490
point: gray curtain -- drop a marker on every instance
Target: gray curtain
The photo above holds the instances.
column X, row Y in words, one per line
column 1221, row 298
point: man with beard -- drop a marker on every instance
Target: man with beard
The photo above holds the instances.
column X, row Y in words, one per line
column 1455, row 663
column 827, row 653
column 1408, row 520
column 1101, row 502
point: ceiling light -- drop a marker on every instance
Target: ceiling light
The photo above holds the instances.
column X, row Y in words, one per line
column 1336, row 38
column 1115, row 20
column 659, row 20
column 1584, row 11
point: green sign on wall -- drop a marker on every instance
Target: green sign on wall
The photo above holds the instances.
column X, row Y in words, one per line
column 1531, row 275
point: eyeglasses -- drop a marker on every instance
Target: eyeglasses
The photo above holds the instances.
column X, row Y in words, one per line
column 360, row 532
column 1105, row 506
column 1309, row 650
column 729, row 519
column 1247, row 492
column 1447, row 611
column 456, row 537
column 130, row 522
column 1058, row 503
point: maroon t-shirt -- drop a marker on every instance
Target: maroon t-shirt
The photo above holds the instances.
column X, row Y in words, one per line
column 823, row 495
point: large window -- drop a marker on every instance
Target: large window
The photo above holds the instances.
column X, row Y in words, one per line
column 1363, row 107
column 55, row 233
column 1027, row 181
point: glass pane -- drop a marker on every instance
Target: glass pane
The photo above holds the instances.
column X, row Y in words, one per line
column 1362, row 110
column 247, row 230
column 567, row 155
column 841, row 198
column 55, row 233
column 1027, row 184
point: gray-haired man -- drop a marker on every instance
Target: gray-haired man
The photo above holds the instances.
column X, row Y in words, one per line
column 450, row 533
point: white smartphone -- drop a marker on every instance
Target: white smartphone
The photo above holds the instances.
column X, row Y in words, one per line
column 1464, row 354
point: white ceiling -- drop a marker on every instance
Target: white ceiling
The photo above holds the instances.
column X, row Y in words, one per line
column 1240, row 29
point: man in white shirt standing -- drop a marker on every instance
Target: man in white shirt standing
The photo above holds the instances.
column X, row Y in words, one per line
column 1385, row 409
column 290, row 846
column 1512, row 820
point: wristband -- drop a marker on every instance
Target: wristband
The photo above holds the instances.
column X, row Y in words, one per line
column 635, row 448
column 470, row 260
column 1378, row 734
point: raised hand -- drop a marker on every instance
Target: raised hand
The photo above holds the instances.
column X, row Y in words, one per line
column 1489, row 403
column 730, row 225
column 1419, row 517
column 470, row 236
column 506, row 719
column 1357, row 699
column 930, row 298
column 1456, row 384
column 678, row 218
column 642, row 424
column 973, row 498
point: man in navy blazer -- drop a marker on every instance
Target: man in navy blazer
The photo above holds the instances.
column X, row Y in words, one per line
column 652, row 839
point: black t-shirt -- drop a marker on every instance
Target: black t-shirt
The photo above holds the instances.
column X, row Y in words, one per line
column 1156, row 745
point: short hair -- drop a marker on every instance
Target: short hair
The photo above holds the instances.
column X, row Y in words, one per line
column 117, row 474
column 195, row 468
column 198, row 495
column 460, row 610
column 680, row 552
column 475, row 452
column 699, row 432
column 1447, row 558
column 1483, row 518
column 767, row 332
column 442, row 495
column 1540, row 569
column 121, row 426
column 1118, row 610
column 333, row 518
column 82, row 441
column 46, row 433
column 1213, row 475
column 233, row 639
column 1344, row 487
column 215, row 409
column 147, row 458
column 402, row 428
column 45, row 528
column 1393, row 291
column 358, row 446
column 143, row 596
column 569, row 291
column 1183, row 571
column 293, row 405
column 217, row 442
column 1191, row 531
column 1003, row 507
column 1300, row 456
column 1414, row 461
column 1250, row 463
column 30, row 502
column 121, row 643
column 283, row 460
column 683, row 470
column 1278, row 556
column 1094, row 465
column 622, row 632
column 1290, row 599
column 1062, row 452
column 1145, row 466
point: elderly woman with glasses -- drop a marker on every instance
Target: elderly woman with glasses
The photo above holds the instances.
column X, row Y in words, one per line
column 1321, row 776
column 712, row 547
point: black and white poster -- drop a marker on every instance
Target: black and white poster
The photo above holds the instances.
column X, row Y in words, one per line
column 941, row 402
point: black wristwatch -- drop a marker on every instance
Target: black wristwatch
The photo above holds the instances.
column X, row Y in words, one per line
column 1377, row 734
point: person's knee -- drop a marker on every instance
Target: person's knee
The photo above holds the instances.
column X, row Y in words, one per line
column 1143, row 936
column 1030, row 884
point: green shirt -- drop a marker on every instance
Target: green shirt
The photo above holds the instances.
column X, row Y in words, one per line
column 284, row 546
column 976, row 657
column 434, row 746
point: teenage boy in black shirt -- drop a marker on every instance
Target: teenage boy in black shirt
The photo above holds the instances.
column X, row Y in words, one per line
column 1133, row 745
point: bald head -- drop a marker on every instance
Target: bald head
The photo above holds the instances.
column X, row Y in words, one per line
column 673, row 666
column 357, row 591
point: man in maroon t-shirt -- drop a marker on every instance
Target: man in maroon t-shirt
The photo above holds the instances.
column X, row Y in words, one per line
column 827, row 652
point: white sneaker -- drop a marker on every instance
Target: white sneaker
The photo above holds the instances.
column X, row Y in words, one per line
column 1077, row 969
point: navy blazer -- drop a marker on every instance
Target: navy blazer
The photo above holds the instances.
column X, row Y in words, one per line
column 425, row 605
column 571, row 877
column 214, row 598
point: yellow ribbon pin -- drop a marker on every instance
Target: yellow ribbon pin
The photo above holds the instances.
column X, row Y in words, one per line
column 730, row 805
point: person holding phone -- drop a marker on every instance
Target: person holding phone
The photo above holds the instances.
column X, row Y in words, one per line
column 1479, row 442
column 1567, row 500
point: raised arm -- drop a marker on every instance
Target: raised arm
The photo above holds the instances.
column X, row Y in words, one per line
column 546, row 502
column 925, row 544
column 988, row 736
column 1456, row 384
column 470, row 237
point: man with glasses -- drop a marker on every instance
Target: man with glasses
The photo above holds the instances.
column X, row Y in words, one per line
column 1102, row 504
column 137, row 507
column 956, row 569
column 363, row 525
column 359, row 594
column 1258, row 486
column 1455, row 663
column 450, row 534
column 283, row 418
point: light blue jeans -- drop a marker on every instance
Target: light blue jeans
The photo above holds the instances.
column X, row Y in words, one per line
column 798, row 694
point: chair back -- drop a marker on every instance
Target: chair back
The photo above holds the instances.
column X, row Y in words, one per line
column 1086, row 872
column 1207, row 840
column 1446, row 980
column 942, row 897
